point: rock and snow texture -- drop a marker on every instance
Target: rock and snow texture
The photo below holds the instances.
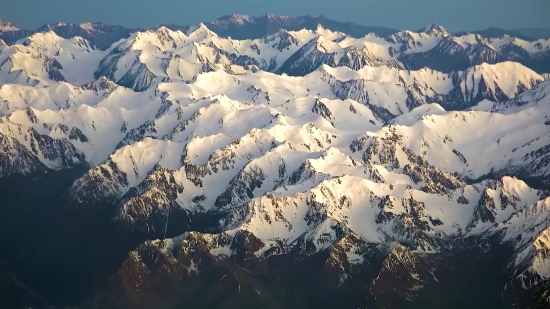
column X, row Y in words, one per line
column 349, row 150
column 139, row 59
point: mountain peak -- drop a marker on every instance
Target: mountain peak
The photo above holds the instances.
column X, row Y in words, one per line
column 280, row 18
column 398, row 252
column 241, row 18
column 7, row 26
column 163, row 29
column 87, row 27
column 433, row 29
column 105, row 83
column 200, row 29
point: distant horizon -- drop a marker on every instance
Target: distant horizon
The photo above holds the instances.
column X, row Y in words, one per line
column 465, row 15
column 257, row 16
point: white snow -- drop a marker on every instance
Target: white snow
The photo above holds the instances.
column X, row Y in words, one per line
column 220, row 127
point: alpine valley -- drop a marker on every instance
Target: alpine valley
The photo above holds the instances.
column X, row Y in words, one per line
column 261, row 162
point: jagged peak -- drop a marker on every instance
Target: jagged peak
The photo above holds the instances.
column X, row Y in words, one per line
column 404, row 34
column 325, row 70
column 239, row 18
column 278, row 18
column 321, row 40
column 325, row 45
column 104, row 81
column 7, row 26
column 87, row 26
column 513, row 184
column 434, row 29
column 101, row 24
column 282, row 33
column 50, row 34
column 163, row 30
column 397, row 249
column 502, row 68
column 46, row 37
column 163, row 34
column 352, row 49
column 48, row 27
column 333, row 154
column 159, row 31
column 201, row 29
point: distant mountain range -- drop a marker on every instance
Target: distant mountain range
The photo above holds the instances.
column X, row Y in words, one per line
column 241, row 27
column 294, row 52
column 296, row 167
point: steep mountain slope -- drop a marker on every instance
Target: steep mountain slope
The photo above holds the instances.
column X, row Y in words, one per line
column 241, row 27
column 46, row 57
column 10, row 33
column 139, row 59
column 444, row 52
column 236, row 26
column 148, row 182
column 301, row 169
column 100, row 35
column 343, row 209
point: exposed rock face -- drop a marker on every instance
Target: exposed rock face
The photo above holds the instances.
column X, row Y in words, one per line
column 406, row 269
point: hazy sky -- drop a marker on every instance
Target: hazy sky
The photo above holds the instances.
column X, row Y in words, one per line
column 401, row 14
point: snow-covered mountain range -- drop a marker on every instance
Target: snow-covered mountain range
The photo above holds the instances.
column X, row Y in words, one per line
column 383, row 172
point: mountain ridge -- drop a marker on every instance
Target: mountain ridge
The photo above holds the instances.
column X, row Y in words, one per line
column 310, row 22
column 295, row 53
